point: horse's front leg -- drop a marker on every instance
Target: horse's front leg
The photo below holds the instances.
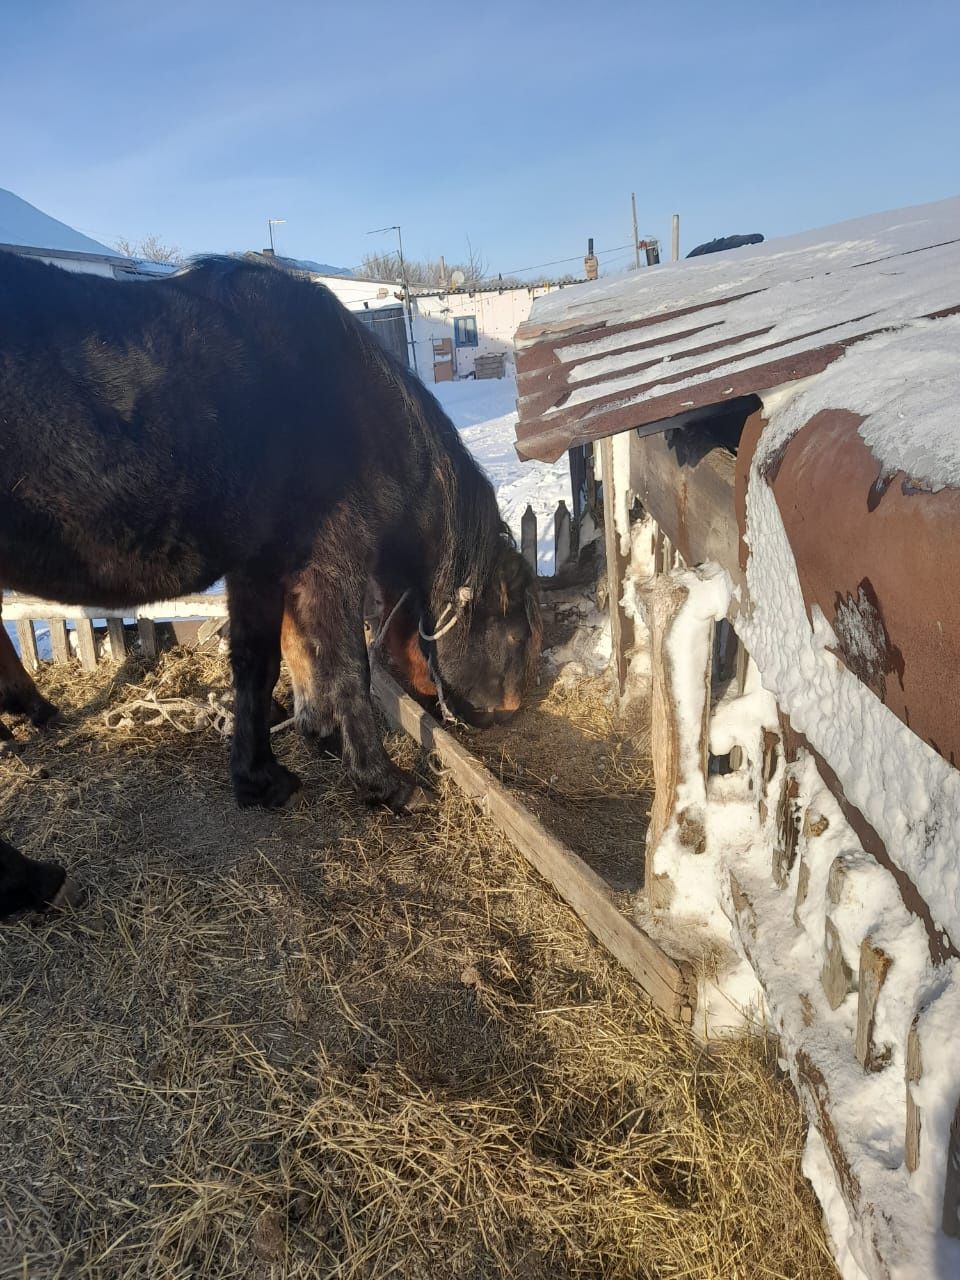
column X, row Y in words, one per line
column 256, row 611
column 325, row 651
column 18, row 693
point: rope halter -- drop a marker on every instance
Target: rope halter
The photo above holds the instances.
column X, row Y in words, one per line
column 451, row 615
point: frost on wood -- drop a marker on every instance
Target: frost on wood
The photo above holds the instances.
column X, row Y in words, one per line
column 682, row 610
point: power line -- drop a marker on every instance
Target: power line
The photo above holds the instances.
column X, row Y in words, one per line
column 537, row 266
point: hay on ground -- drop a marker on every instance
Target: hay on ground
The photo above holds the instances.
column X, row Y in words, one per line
column 333, row 1042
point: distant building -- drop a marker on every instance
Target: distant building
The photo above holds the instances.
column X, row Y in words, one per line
column 27, row 230
column 468, row 333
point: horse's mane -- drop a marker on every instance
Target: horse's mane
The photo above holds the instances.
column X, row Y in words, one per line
column 474, row 534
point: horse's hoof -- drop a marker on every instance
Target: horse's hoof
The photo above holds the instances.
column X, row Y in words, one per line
column 268, row 788
column 42, row 713
column 421, row 799
column 68, row 897
column 9, row 747
column 403, row 795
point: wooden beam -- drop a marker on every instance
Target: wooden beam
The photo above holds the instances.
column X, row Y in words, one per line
column 875, row 964
column 913, row 1071
column 667, row 597
column 16, row 607
column 669, row 986
column 621, row 627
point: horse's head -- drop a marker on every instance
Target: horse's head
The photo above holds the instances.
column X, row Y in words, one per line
column 485, row 663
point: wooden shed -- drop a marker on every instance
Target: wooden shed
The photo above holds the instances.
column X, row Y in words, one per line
column 778, row 438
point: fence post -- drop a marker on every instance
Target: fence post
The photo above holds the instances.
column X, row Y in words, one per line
column 528, row 537
column 27, row 640
column 562, row 537
column 58, row 640
column 118, row 639
column 86, row 644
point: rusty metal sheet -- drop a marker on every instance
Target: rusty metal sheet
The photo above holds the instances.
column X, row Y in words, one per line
column 880, row 560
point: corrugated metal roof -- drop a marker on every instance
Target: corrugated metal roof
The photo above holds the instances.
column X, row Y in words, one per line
column 634, row 350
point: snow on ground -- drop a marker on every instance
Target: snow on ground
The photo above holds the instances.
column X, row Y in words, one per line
column 485, row 414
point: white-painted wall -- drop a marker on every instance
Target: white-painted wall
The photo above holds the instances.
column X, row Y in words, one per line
column 359, row 295
column 498, row 314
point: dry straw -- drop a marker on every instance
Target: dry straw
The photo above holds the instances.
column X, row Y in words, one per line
column 334, row 1043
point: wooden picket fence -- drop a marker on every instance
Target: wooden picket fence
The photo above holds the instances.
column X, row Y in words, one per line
column 569, row 536
column 194, row 619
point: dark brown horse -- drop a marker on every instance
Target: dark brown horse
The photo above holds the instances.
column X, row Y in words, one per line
column 235, row 421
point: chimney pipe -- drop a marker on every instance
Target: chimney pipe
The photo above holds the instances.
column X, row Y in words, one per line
column 591, row 267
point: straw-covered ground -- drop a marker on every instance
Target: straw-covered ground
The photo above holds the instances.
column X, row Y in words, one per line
column 334, row 1042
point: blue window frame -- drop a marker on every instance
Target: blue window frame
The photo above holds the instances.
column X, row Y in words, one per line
column 465, row 331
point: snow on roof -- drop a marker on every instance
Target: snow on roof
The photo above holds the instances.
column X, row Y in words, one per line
column 640, row 348
column 24, row 225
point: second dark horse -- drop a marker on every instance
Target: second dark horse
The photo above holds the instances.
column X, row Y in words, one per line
column 235, row 421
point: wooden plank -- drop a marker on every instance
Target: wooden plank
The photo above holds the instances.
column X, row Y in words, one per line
column 692, row 502
column 835, row 975
column 788, row 831
column 913, row 1072
column 667, row 597
column 118, row 639
column 16, row 607
column 803, row 888
column 951, row 1186
column 58, row 639
column 27, row 640
column 148, row 637
column 875, row 964
column 562, row 537
column 528, row 537
column 667, row 984
column 621, row 627
column 86, row 644
column 213, row 627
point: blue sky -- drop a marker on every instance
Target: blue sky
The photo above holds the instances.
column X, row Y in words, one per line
column 523, row 126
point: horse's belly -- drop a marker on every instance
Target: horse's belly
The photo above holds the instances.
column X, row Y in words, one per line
column 102, row 571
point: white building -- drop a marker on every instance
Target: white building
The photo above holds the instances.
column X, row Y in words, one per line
column 25, row 229
column 464, row 333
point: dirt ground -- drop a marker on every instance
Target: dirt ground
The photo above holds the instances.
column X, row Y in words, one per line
column 333, row 1042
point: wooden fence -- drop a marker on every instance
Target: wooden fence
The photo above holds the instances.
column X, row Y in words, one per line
column 570, row 536
column 196, row 617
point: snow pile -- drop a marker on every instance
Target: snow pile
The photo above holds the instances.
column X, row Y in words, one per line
column 906, row 386
column 906, row 792
column 485, row 414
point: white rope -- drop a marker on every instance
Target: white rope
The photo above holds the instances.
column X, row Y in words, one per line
column 186, row 715
column 464, row 596
column 378, row 638
column 442, row 628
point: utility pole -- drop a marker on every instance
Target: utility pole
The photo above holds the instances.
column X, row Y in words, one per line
column 406, row 287
column 636, row 234
column 675, row 239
